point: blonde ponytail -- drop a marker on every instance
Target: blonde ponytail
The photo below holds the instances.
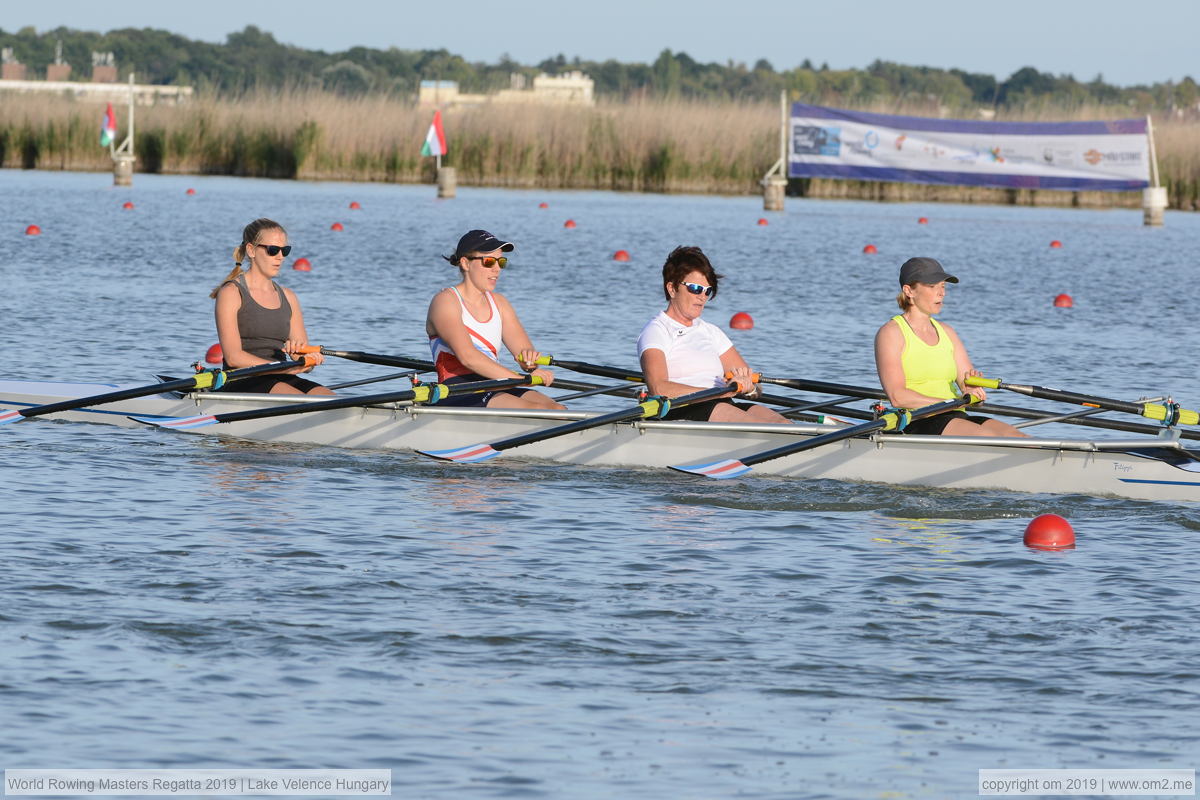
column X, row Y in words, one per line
column 249, row 236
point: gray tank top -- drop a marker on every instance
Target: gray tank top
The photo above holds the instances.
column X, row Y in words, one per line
column 263, row 330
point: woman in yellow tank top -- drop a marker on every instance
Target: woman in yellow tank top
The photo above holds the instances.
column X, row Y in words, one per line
column 922, row 362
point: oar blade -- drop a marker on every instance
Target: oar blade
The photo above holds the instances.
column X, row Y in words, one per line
column 178, row 423
column 721, row 470
column 10, row 416
column 464, row 455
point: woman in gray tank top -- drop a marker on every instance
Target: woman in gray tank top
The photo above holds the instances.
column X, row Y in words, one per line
column 257, row 320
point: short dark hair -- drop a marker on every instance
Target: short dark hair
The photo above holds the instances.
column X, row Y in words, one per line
column 684, row 260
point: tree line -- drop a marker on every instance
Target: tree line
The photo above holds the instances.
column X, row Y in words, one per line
column 253, row 59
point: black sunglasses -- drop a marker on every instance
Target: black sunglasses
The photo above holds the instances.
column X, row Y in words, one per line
column 696, row 288
column 274, row 249
column 490, row 261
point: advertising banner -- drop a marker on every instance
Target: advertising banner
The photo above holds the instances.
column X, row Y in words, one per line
column 857, row 145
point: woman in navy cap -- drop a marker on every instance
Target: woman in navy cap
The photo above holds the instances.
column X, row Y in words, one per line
column 922, row 361
column 468, row 323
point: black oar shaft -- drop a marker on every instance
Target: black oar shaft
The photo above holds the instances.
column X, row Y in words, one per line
column 1063, row 396
column 201, row 379
column 362, row 400
column 638, row 412
column 885, row 422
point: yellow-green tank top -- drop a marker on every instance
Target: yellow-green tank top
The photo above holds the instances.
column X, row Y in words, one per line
column 928, row 369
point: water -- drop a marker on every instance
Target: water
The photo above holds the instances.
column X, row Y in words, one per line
column 531, row 630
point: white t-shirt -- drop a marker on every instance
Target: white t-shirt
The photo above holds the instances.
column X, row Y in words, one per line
column 693, row 351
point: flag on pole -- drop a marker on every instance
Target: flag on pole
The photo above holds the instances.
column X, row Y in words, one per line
column 108, row 129
column 435, row 140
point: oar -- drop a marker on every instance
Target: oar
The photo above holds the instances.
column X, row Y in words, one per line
column 652, row 407
column 635, row 376
column 1170, row 414
column 869, row 393
column 364, row 381
column 732, row 467
column 423, row 393
column 404, row 362
column 208, row 379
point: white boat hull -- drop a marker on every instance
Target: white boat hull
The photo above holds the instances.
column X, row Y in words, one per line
column 1094, row 467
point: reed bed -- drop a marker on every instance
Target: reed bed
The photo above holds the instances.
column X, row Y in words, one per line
column 640, row 145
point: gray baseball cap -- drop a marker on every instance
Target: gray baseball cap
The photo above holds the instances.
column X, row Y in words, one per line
column 924, row 270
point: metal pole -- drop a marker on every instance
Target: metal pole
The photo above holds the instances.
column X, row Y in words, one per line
column 783, row 133
column 131, row 114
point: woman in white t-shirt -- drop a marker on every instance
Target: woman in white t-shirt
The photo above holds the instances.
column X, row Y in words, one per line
column 681, row 353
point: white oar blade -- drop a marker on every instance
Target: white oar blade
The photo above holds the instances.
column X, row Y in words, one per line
column 464, row 455
column 177, row 423
column 10, row 416
column 727, row 468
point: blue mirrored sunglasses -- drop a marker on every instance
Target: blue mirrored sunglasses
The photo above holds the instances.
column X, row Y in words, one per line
column 696, row 288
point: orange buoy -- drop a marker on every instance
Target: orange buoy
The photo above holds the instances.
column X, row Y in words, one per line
column 621, row 255
column 354, row 204
column 543, row 205
column 569, row 223
column 127, row 205
column 923, row 220
column 741, row 321
column 869, row 249
column 763, row 221
column 214, row 355
column 191, row 192
column 33, row 230
column 337, row 226
column 1055, row 244
column 1063, row 301
column 302, row 265
column 1049, row 532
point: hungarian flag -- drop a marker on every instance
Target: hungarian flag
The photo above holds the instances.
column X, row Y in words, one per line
column 435, row 140
column 108, row 129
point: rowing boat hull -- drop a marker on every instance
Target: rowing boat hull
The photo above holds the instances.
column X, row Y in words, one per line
column 1094, row 467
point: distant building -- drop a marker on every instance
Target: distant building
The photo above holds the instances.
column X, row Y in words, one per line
column 104, row 68
column 572, row 88
column 10, row 68
column 89, row 92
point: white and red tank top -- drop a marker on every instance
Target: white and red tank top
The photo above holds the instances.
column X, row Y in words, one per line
column 486, row 335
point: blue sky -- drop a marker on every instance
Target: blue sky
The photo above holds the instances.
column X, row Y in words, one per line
column 1128, row 44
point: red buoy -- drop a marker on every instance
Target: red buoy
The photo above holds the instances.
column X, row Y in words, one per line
column 33, row 230
column 354, row 204
column 214, row 355
column 763, row 221
column 741, row 321
column 302, row 265
column 1063, row 301
column 1049, row 532
column 923, row 220
column 127, row 205
column 1055, row 244
column 337, row 226
column 191, row 192
column 543, row 205
column 869, row 249
column 569, row 223
column 621, row 255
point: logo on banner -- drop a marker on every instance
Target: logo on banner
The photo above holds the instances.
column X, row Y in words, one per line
column 1093, row 156
column 814, row 140
column 871, row 140
column 900, row 141
column 995, row 154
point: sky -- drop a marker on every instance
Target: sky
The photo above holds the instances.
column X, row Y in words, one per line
column 1139, row 43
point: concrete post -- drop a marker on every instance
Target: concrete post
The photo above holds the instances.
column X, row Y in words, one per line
column 774, row 190
column 447, row 182
column 1154, row 203
column 122, row 170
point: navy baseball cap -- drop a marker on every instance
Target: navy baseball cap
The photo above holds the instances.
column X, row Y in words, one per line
column 480, row 242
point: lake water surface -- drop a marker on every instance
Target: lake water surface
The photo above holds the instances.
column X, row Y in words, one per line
column 520, row 629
